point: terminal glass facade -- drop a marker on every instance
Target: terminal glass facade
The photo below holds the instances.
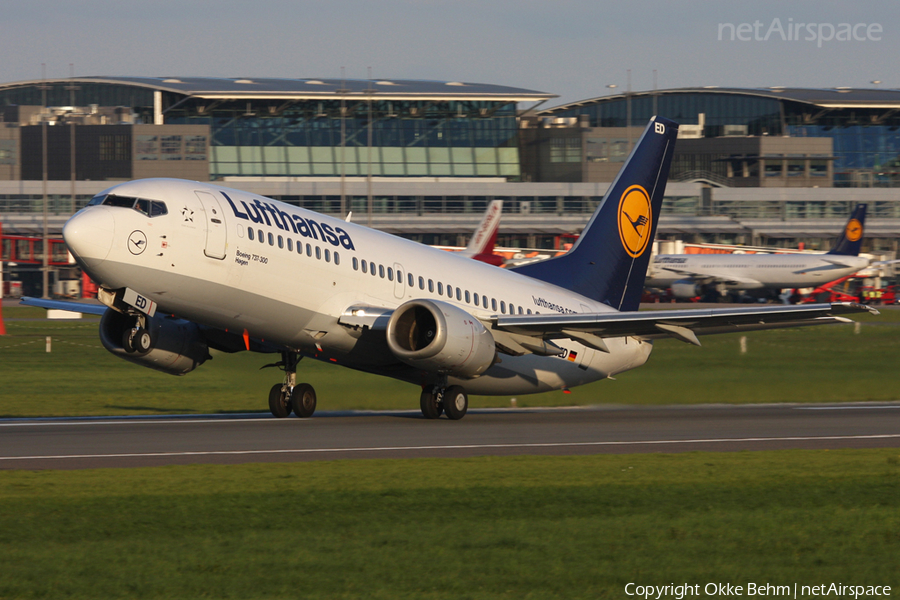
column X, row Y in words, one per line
column 407, row 139
column 866, row 142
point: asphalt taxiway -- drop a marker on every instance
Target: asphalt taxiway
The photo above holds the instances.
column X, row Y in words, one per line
column 79, row 443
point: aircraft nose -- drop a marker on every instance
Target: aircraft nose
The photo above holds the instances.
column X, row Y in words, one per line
column 89, row 235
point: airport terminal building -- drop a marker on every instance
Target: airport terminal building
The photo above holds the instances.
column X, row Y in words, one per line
column 775, row 166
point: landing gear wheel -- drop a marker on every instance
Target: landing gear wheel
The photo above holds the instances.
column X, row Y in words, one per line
column 279, row 401
column 430, row 404
column 140, row 341
column 128, row 341
column 456, row 402
column 303, row 400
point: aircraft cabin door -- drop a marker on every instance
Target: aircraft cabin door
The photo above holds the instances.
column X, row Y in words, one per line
column 216, row 233
column 399, row 281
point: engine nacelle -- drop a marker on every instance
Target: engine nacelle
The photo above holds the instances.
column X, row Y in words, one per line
column 176, row 348
column 440, row 338
column 685, row 288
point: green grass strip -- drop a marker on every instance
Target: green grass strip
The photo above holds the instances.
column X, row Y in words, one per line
column 832, row 363
column 513, row 527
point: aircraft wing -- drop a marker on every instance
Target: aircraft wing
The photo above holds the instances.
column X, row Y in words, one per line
column 711, row 277
column 79, row 307
column 591, row 328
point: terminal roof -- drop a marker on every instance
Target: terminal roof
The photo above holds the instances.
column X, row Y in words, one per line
column 301, row 89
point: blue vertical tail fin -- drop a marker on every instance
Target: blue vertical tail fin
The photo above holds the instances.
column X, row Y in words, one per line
column 609, row 261
column 851, row 238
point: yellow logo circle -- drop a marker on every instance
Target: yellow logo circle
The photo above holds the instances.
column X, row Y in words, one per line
column 854, row 230
column 635, row 220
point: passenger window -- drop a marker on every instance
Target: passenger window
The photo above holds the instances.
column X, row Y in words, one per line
column 458, row 294
column 484, row 301
column 431, row 286
column 299, row 247
column 365, row 267
column 318, row 253
column 440, row 289
column 250, row 233
column 280, row 242
column 290, row 243
column 410, row 275
column 355, row 264
column 260, row 234
column 271, row 239
column 372, row 270
column 476, row 300
column 520, row 310
column 337, row 258
column 449, row 291
column 308, row 250
column 494, row 304
column 390, row 274
column 327, row 255
column 528, row 311
column 381, row 271
column 399, row 275
column 468, row 298
column 421, row 282
column 503, row 307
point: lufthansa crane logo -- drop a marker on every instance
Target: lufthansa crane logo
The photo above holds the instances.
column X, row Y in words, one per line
column 854, row 230
column 137, row 242
column 635, row 220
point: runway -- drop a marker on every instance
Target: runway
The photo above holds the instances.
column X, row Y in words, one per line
column 81, row 443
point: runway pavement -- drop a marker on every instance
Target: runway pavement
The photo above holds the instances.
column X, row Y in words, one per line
column 225, row 439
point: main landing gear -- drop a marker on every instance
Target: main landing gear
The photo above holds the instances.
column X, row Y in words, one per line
column 437, row 399
column 288, row 396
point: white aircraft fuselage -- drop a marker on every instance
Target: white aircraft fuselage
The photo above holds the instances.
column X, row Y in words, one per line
column 238, row 262
column 754, row 271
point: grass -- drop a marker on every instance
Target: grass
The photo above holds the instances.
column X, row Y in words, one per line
column 79, row 377
column 502, row 527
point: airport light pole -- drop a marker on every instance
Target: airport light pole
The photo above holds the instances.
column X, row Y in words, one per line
column 46, row 242
column 72, row 89
column 342, row 93
column 369, row 92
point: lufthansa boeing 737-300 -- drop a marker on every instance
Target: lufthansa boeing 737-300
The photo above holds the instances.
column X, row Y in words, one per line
column 185, row 267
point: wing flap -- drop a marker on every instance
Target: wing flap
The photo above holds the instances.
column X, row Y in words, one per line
column 680, row 324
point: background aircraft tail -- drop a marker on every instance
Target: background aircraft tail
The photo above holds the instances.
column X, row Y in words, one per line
column 485, row 235
column 609, row 261
column 851, row 238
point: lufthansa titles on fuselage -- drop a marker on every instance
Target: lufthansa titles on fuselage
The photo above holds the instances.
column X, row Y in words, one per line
column 259, row 212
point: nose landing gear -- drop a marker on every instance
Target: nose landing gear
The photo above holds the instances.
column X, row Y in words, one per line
column 137, row 339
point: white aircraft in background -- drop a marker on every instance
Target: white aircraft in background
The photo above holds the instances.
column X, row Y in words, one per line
column 690, row 275
column 185, row 267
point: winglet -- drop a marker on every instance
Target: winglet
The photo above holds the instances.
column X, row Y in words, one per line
column 609, row 261
column 851, row 239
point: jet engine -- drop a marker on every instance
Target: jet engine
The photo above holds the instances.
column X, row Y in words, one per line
column 440, row 338
column 686, row 288
column 176, row 346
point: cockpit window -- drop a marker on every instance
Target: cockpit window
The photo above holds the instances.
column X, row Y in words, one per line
column 151, row 208
column 123, row 201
